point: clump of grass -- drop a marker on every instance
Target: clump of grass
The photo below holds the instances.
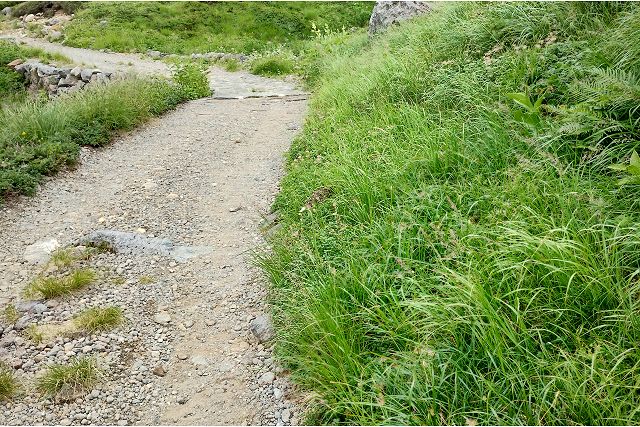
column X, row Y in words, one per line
column 99, row 319
column 8, row 382
column 146, row 280
column 33, row 333
column 10, row 313
column 79, row 376
column 272, row 65
column 230, row 64
column 62, row 258
column 192, row 80
column 119, row 280
column 52, row 287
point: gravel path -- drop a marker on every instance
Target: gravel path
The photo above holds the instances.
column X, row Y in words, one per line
column 203, row 177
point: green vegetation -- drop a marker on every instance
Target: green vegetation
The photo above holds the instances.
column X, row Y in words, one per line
column 40, row 137
column 188, row 27
column 10, row 313
column 454, row 246
column 34, row 334
column 79, row 376
column 192, row 78
column 99, row 319
column 8, row 382
column 273, row 65
column 54, row 286
column 63, row 258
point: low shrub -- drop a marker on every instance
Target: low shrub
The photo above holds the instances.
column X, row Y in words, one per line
column 272, row 65
column 192, row 80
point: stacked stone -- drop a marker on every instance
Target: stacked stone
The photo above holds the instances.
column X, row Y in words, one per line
column 59, row 80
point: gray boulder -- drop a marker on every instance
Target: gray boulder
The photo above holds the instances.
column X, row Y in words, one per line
column 6, row 11
column 55, row 35
column 386, row 13
column 86, row 74
column 261, row 328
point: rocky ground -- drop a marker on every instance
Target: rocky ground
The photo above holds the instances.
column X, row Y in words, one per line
column 194, row 348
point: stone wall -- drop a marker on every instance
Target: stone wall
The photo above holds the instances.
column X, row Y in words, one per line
column 58, row 80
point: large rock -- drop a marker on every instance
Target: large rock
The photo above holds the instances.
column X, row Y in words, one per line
column 386, row 13
column 6, row 11
column 262, row 329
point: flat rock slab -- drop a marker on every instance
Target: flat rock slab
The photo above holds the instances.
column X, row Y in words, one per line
column 40, row 252
column 240, row 85
column 135, row 243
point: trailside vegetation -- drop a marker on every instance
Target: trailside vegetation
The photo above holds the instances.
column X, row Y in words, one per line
column 460, row 238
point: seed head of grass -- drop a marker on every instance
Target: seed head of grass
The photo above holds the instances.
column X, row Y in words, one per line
column 78, row 376
column 8, row 382
column 99, row 319
column 52, row 287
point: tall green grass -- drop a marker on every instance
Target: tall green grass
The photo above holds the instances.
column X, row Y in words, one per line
column 476, row 260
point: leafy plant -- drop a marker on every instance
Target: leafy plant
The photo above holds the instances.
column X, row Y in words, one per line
column 632, row 169
column 192, row 80
column 531, row 115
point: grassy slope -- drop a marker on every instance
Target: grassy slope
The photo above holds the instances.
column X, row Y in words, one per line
column 186, row 27
column 476, row 261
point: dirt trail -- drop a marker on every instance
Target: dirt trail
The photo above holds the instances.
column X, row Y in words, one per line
column 202, row 176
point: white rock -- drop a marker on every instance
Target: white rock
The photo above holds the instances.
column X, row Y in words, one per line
column 267, row 378
column 199, row 361
column 162, row 318
column 39, row 253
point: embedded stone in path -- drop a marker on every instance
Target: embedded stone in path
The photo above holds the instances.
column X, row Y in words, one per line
column 136, row 243
column 40, row 252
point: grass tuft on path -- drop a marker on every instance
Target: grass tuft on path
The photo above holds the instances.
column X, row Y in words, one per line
column 99, row 318
column 74, row 378
column 473, row 258
column 56, row 286
column 8, row 382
